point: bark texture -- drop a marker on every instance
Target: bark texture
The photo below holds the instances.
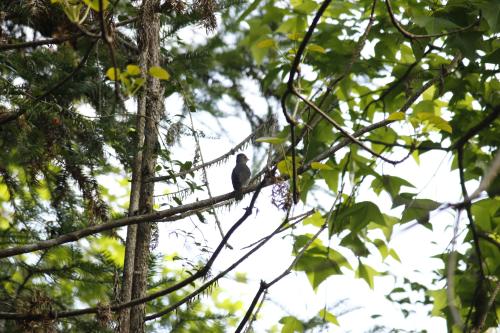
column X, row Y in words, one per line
column 150, row 110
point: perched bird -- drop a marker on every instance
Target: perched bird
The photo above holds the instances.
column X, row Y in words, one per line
column 240, row 176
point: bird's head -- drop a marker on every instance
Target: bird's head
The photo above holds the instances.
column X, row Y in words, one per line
column 241, row 159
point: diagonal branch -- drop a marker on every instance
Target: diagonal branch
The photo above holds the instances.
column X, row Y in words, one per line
column 341, row 130
column 219, row 159
column 409, row 35
column 489, row 119
column 150, row 217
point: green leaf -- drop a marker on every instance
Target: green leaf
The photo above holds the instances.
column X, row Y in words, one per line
column 271, row 140
column 441, row 124
column 331, row 178
column 4, row 223
column 485, row 213
column 440, row 301
column 394, row 254
column 328, row 316
column 159, row 73
column 133, row 70
column 112, row 74
column 490, row 10
column 320, row 166
column 295, row 24
column 382, row 247
column 296, row 36
column 434, row 25
column 366, row 273
column 419, row 209
column 360, row 214
column 304, row 6
column 111, row 247
column 396, row 116
column 94, row 4
column 285, row 166
column 391, row 184
column 316, row 219
column 266, row 43
column 4, row 193
column 291, row 325
column 315, row 48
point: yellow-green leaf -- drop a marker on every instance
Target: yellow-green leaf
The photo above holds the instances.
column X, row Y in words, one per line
column 94, row 4
column 112, row 74
column 440, row 123
column 316, row 48
column 320, row 166
column 328, row 316
column 315, row 219
column 296, row 36
column 271, row 140
column 4, row 223
column 265, row 43
column 285, row 166
column 396, row 116
column 159, row 73
column 111, row 247
column 133, row 69
column 4, row 193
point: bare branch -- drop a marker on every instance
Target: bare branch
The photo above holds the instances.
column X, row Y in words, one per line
column 95, row 229
column 409, row 35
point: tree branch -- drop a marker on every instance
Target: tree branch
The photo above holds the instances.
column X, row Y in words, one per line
column 95, row 229
column 489, row 119
column 409, row 35
column 200, row 273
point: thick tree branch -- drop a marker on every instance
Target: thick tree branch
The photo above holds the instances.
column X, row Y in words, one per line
column 151, row 217
column 200, row 273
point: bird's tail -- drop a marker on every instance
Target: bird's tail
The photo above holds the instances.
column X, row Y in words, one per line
column 238, row 195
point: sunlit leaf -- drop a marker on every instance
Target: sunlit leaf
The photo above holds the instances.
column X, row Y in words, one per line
column 396, row 116
column 94, row 4
column 133, row 69
column 366, row 273
column 328, row 316
column 316, row 219
column 159, row 73
column 291, row 325
column 320, row 166
column 315, row 48
column 112, row 74
column 265, row 43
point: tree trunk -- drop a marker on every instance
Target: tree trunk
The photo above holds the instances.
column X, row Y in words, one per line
column 149, row 44
column 128, row 266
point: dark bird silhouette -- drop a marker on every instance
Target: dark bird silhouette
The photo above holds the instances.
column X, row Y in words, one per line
column 240, row 176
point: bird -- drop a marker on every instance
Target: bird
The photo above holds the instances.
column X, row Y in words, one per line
column 240, row 175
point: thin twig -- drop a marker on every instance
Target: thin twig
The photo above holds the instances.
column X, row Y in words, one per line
column 409, row 35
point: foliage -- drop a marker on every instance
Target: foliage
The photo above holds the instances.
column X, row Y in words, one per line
column 424, row 79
